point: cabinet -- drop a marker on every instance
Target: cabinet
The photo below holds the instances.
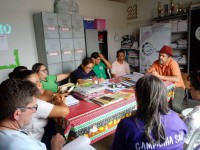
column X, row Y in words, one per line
column 179, row 38
column 194, row 39
column 96, row 41
column 60, row 41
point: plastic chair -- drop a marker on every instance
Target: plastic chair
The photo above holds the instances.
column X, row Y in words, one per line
column 195, row 137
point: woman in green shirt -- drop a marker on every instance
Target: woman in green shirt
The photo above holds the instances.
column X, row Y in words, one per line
column 48, row 81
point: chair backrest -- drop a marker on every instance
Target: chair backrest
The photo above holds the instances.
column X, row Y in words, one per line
column 72, row 78
column 195, row 137
column 185, row 80
column 108, row 73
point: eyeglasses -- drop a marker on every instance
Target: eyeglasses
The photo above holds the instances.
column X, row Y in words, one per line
column 88, row 68
column 44, row 70
column 34, row 108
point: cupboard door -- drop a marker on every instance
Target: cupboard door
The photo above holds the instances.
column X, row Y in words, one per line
column 69, row 66
column 79, row 48
column 194, row 42
column 91, row 38
column 55, row 69
column 67, row 49
column 64, row 22
column 77, row 26
column 78, row 63
column 53, row 51
column 50, row 25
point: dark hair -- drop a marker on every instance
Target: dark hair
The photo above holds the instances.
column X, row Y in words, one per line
column 15, row 93
column 87, row 61
column 24, row 74
column 36, row 67
column 151, row 95
column 120, row 51
column 194, row 78
column 16, row 70
column 95, row 55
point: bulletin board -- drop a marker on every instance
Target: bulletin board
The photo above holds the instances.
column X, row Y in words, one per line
column 9, row 58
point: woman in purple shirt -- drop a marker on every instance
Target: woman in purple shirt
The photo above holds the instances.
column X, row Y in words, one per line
column 154, row 126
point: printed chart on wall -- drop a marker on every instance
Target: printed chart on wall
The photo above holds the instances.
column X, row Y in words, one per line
column 152, row 38
column 9, row 58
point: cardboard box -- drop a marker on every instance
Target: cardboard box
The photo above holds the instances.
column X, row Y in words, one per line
column 182, row 25
column 100, row 24
column 174, row 25
column 88, row 23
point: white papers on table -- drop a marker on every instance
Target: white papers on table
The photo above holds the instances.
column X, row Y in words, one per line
column 70, row 100
column 81, row 143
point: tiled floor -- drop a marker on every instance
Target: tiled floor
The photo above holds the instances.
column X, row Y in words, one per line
column 104, row 144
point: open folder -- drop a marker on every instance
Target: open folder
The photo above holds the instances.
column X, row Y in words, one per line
column 80, row 143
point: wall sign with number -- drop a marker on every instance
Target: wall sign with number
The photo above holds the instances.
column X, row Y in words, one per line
column 5, row 29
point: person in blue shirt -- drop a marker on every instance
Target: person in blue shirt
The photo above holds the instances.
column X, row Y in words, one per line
column 85, row 72
column 153, row 126
column 18, row 103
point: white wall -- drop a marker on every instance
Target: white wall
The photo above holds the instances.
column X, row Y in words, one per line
column 18, row 13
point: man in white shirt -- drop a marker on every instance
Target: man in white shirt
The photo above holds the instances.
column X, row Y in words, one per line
column 120, row 67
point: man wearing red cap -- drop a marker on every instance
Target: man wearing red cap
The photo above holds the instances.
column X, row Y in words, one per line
column 167, row 68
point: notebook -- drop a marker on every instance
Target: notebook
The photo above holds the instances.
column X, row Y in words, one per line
column 70, row 100
column 131, row 79
column 89, row 89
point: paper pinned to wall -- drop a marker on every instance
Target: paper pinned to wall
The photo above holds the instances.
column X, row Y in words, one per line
column 3, row 42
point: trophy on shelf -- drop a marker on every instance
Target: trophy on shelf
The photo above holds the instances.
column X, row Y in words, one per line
column 159, row 10
column 172, row 8
column 179, row 7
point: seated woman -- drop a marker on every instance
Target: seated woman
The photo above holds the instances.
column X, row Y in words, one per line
column 101, row 64
column 192, row 119
column 153, row 125
column 48, row 81
column 45, row 109
column 16, row 70
column 85, row 72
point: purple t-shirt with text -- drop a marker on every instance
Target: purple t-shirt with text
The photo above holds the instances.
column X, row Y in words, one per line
column 130, row 134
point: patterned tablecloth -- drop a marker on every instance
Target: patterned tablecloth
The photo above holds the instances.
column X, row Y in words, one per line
column 97, row 122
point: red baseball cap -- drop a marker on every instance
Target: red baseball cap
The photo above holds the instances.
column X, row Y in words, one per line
column 167, row 50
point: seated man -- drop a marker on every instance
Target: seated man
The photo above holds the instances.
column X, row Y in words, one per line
column 38, row 128
column 166, row 68
column 120, row 67
column 192, row 119
column 18, row 103
column 100, row 65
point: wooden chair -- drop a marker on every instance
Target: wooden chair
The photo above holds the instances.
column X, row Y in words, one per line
column 187, row 86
